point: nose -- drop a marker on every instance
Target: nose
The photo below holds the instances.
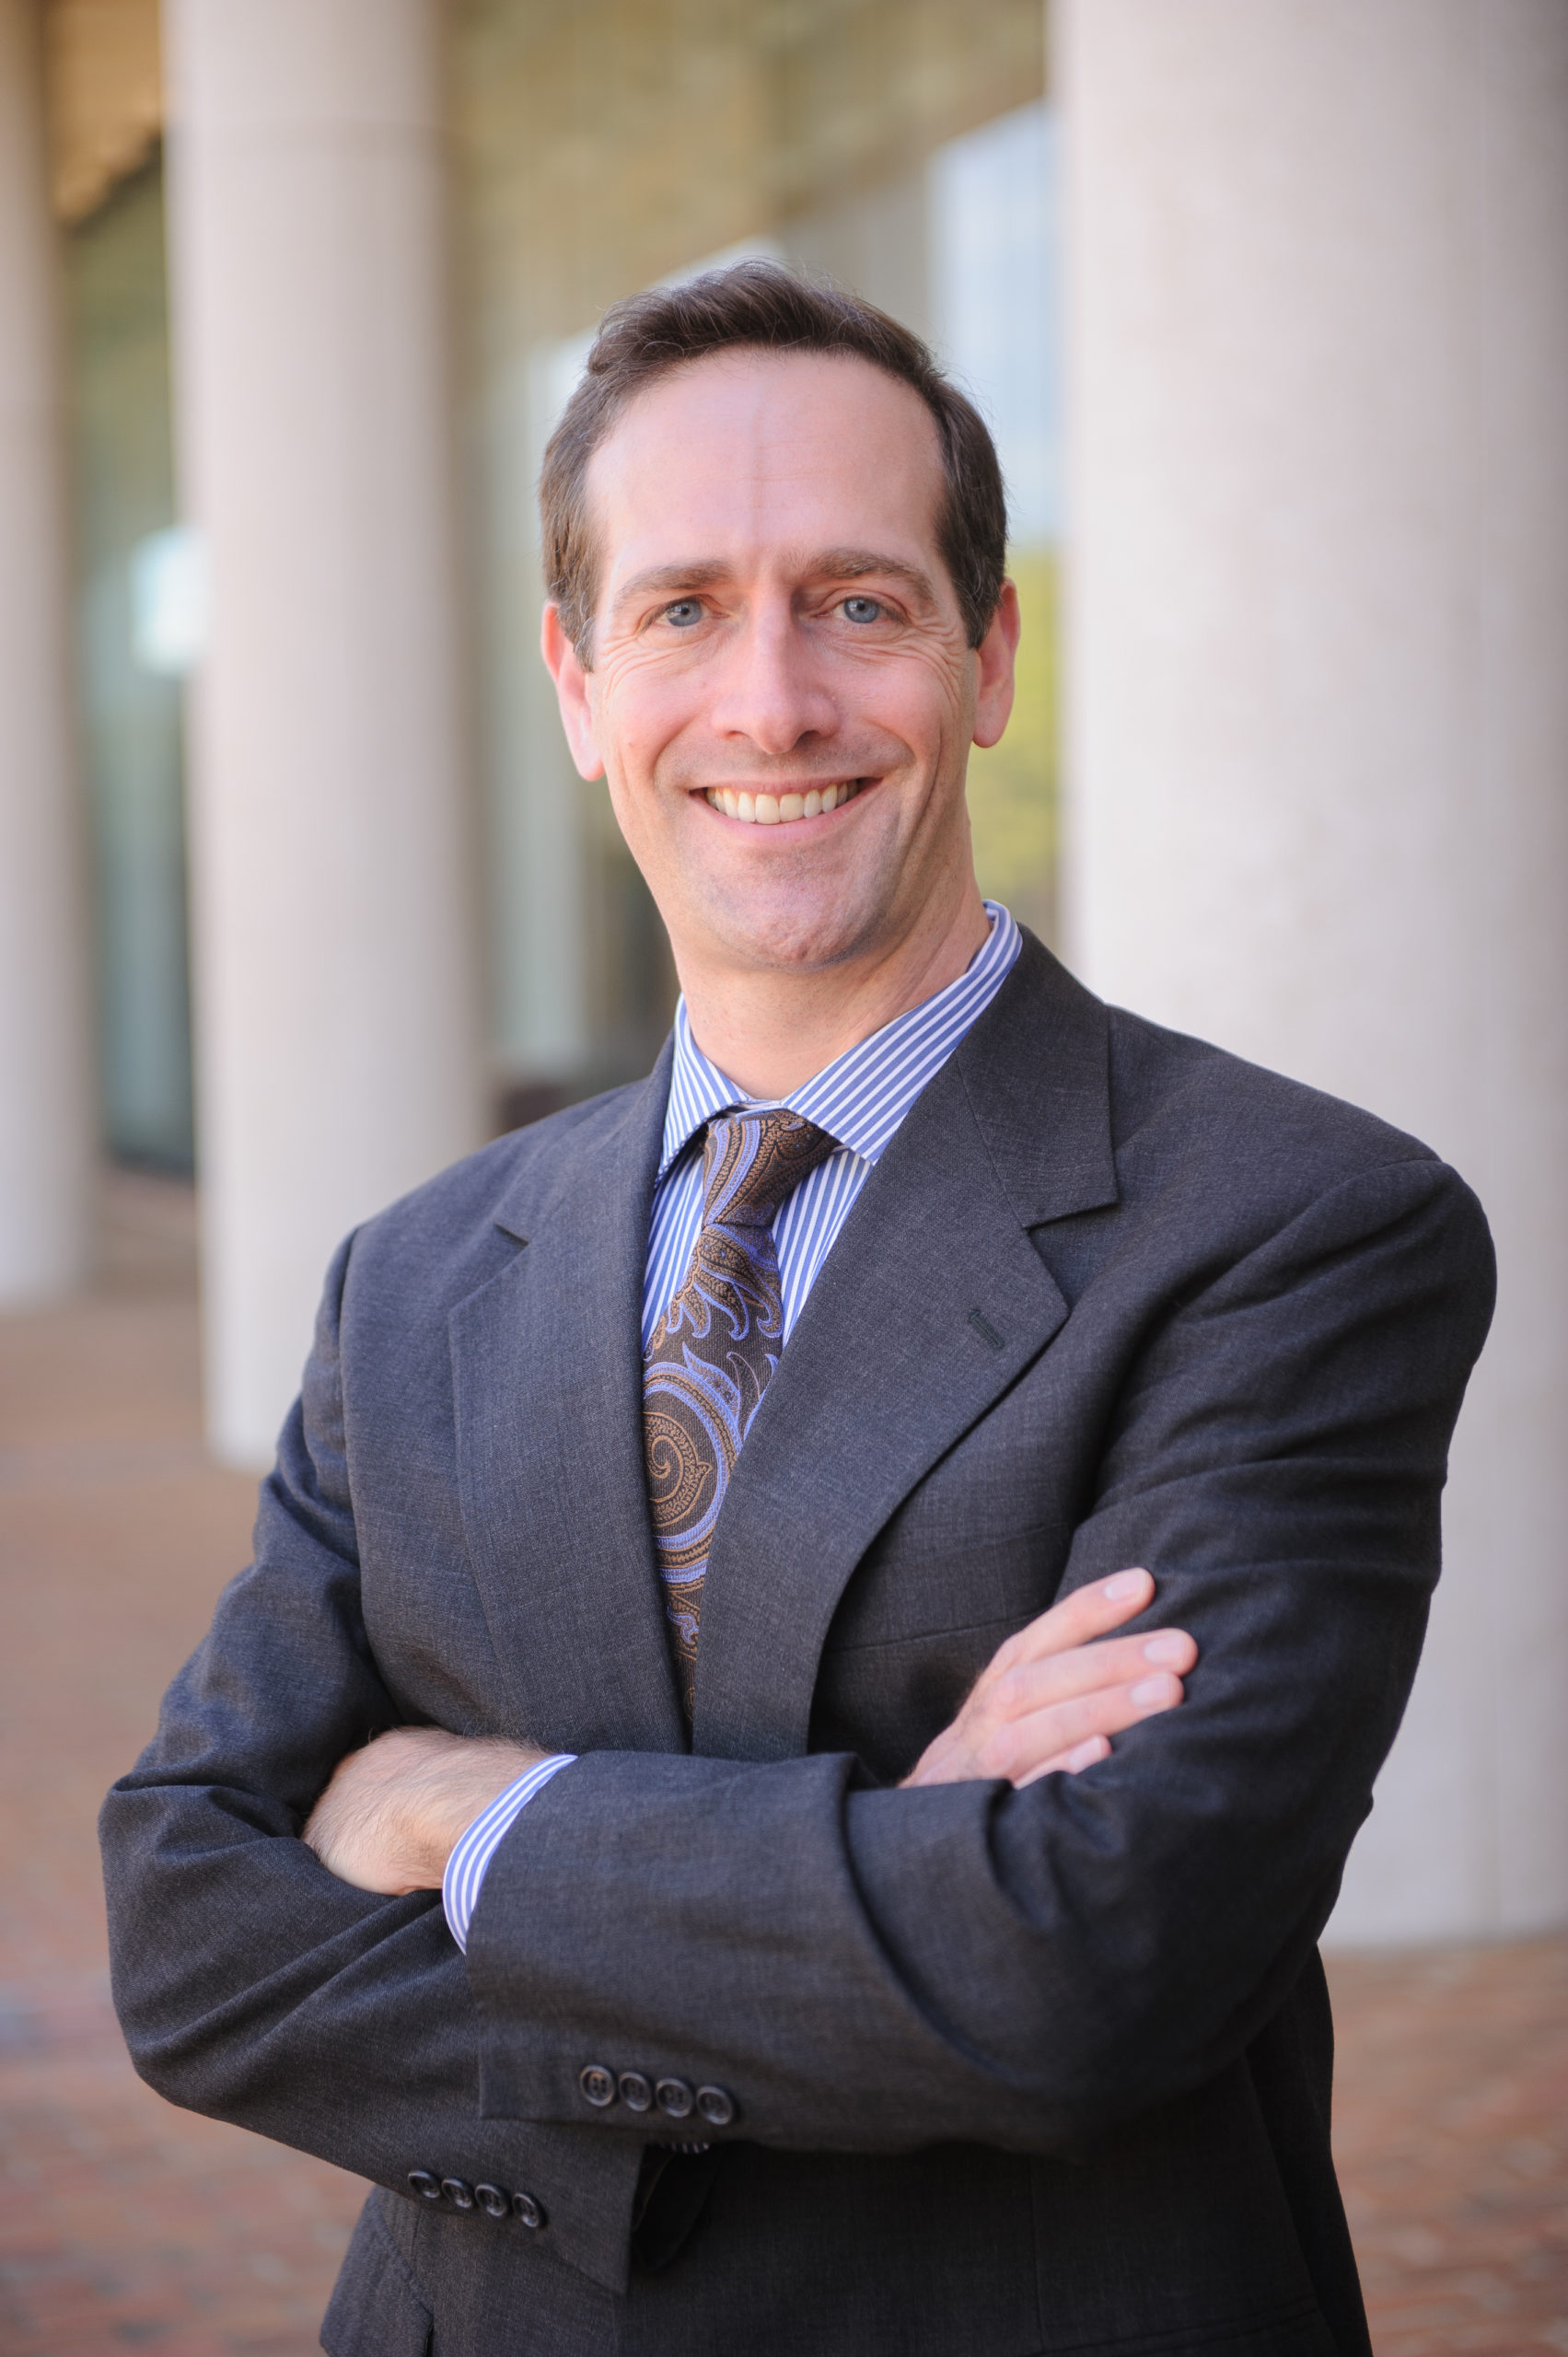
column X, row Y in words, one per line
column 769, row 689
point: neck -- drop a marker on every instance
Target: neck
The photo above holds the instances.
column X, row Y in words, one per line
column 769, row 1030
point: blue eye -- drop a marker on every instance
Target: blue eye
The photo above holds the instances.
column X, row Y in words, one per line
column 863, row 609
column 685, row 612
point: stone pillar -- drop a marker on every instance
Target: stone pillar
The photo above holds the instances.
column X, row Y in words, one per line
column 1318, row 330
column 46, row 1121
column 337, row 1048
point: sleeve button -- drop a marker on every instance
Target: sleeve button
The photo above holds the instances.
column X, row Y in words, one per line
column 674, row 2098
column 492, row 2200
column 459, row 2193
column 717, row 2106
column 635, row 2092
column 426, row 2184
column 597, row 2085
column 530, row 2212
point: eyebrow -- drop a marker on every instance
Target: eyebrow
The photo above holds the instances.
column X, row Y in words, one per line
column 834, row 565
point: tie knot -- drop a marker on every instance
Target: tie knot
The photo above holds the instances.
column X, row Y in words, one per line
column 751, row 1161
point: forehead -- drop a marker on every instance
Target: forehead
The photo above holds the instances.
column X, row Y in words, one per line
column 744, row 454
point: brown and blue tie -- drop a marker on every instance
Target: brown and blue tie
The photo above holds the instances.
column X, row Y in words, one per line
column 714, row 1352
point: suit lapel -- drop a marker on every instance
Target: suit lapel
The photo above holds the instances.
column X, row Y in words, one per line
column 547, row 1361
column 932, row 1303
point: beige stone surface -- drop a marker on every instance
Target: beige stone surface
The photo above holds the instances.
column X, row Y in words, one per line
column 1316, row 337
column 335, row 948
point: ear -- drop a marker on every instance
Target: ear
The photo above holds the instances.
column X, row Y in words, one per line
column 566, row 668
column 993, row 660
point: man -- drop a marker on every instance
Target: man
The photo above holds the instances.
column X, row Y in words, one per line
column 728, row 1504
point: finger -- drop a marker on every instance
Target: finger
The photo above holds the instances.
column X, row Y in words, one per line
column 1019, row 1745
column 1115, row 1661
column 1014, row 1687
column 1069, row 1763
column 1090, row 1611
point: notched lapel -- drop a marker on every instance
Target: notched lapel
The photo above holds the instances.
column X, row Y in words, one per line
column 932, row 1301
column 931, row 1304
column 546, row 1364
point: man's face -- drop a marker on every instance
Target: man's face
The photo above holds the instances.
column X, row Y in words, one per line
column 781, row 699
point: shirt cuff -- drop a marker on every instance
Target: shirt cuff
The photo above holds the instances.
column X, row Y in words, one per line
column 464, row 1878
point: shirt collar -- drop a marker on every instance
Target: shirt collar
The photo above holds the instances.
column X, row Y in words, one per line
column 862, row 1095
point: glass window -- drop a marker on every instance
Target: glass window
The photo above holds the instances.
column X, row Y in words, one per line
column 137, row 601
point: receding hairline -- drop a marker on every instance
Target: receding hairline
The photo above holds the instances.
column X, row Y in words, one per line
column 733, row 313
column 844, row 562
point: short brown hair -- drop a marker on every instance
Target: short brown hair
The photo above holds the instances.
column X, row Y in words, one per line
column 759, row 304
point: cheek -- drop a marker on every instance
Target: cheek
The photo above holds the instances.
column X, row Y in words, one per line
column 640, row 710
column 920, row 695
column 630, row 756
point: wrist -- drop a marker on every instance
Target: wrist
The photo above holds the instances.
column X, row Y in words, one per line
column 466, row 1779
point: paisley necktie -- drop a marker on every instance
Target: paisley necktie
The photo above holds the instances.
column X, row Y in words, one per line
column 714, row 1350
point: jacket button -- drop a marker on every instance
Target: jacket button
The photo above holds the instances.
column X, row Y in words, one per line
column 674, row 2098
column 459, row 2193
column 635, row 2092
column 492, row 2200
column 597, row 2085
column 530, row 2212
column 425, row 2184
column 717, row 2106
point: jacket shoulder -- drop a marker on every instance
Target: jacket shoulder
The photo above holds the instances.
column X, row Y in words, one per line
column 1166, row 1087
column 448, row 1235
column 1215, row 1159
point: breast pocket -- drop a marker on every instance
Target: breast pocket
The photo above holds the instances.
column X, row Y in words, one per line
column 919, row 1621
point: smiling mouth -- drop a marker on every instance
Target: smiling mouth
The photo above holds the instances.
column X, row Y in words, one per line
column 781, row 809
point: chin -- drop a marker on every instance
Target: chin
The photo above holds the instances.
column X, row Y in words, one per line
column 797, row 931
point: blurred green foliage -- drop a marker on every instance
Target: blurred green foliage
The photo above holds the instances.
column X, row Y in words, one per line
column 1013, row 787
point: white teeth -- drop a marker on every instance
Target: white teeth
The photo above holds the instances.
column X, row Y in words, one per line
column 779, row 810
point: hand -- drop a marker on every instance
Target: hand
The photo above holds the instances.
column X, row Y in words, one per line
column 393, row 1814
column 1050, row 1698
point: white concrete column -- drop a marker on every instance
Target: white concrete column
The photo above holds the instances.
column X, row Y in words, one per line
column 1317, row 254
column 338, row 1045
column 46, row 1121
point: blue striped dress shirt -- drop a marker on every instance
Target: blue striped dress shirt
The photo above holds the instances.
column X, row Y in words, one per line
column 859, row 1099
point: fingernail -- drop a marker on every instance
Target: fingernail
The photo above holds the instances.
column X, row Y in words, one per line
column 1167, row 1646
column 1151, row 1689
column 1095, row 1747
column 1125, row 1584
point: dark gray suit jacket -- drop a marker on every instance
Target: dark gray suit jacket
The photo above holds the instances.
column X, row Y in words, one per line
column 1013, row 2072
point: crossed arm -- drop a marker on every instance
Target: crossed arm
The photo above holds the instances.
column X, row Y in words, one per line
column 962, row 1960
column 1050, row 1699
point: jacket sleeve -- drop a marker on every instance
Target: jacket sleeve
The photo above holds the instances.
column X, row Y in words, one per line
column 867, row 1969
column 253, row 1985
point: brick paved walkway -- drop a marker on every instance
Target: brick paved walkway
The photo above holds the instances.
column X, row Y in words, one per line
column 126, row 2225
column 1451, row 2127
